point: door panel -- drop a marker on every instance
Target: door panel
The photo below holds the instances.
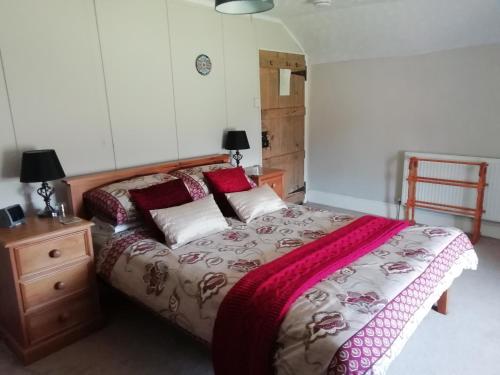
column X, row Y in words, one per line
column 291, row 61
column 269, row 88
column 297, row 89
column 293, row 164
column 272, row 126
column 283, row 117
column 292, row 134
column 286, row 135
column 269, row 59
column 285, row 131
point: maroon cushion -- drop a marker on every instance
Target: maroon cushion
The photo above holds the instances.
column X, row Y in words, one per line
column 168, row 194
column 226, row 181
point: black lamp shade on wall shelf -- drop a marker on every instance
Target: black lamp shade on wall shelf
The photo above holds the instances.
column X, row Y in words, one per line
column 243, row 6
column 41, row 166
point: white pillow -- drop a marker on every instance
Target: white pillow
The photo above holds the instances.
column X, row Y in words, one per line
column 190, row 221
column 256, row 202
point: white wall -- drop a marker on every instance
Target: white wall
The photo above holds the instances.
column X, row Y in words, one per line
column 365, row 113
column 272, row 36
column 135, row 45
column 112, row 83
column 199, row 101
column 9, row 159
column 242, row 82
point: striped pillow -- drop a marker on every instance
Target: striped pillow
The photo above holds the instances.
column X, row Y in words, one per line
column 195, row 181
column 112, row 202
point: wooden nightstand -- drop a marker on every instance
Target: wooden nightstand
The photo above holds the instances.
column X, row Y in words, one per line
column 272, row 177
column 48, row 287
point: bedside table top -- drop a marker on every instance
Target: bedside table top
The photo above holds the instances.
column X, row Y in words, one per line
column 267, row 172
column 38, row 228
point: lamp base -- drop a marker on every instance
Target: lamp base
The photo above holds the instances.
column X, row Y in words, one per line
column 46, row 191
column 46, row 214
column 237, row 157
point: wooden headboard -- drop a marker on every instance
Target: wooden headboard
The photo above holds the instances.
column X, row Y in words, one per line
column 78, row 185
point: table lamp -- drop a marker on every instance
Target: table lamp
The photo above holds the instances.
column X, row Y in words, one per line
column 42, row 166
column 237, row 140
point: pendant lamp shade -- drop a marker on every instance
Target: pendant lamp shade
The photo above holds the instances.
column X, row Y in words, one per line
column 243, row 6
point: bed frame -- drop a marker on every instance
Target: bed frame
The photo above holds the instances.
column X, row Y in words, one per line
column 78, row 185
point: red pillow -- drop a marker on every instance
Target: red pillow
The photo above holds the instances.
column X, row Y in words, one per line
column 168, row 194
column 223, row 181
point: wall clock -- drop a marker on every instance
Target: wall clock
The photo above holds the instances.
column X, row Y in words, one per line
column 203, row 64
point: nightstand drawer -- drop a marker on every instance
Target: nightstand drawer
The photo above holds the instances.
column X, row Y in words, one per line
column 50, row 253
column 272, row 177
column 68, row 313
column 276, row 183
column 56, row 285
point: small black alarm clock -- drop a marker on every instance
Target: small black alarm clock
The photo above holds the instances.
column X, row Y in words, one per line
column 11, row 216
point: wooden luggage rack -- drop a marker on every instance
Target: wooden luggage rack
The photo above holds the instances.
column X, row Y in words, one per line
column 475, row 213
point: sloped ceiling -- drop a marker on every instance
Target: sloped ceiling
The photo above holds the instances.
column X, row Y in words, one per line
column 360, row 29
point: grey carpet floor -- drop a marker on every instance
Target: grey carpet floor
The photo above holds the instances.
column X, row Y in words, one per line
column 134, row 341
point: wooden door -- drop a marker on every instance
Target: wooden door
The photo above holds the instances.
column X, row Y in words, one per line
column 283, row 118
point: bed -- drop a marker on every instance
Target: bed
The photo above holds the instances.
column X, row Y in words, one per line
column 355, row 321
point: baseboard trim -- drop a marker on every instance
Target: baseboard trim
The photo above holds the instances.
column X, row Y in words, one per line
column 346, row 202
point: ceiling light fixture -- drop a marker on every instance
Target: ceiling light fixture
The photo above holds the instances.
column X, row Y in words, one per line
column 243, row 6
column 322, row 3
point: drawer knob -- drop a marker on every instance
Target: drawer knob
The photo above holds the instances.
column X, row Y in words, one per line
column 55, row 253
column 59, row 285
column 63, row 317
column 273, row 185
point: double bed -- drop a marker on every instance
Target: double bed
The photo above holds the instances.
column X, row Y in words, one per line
column 355, row 321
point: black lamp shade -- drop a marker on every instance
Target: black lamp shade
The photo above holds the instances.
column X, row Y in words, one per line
column 41, row 166
column 243, row 6
column 236, row 140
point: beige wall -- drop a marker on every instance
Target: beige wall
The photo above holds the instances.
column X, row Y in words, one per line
column 114, row 85
column 364, row 114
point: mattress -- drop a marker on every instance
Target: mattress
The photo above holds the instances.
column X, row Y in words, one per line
column 354, row 321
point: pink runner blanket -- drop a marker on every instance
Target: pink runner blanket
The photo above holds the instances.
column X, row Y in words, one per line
column 250, row 315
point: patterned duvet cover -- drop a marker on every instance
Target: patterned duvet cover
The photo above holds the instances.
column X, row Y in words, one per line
column 353, row 322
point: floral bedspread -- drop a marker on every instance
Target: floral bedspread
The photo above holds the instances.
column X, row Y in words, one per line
column 353, row 322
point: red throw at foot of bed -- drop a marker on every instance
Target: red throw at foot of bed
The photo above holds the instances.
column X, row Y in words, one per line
column 250, row 315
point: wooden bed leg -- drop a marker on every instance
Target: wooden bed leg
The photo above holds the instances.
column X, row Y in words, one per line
column 442, row 304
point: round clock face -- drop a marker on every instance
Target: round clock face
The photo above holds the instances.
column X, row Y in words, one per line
column 203, row 64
